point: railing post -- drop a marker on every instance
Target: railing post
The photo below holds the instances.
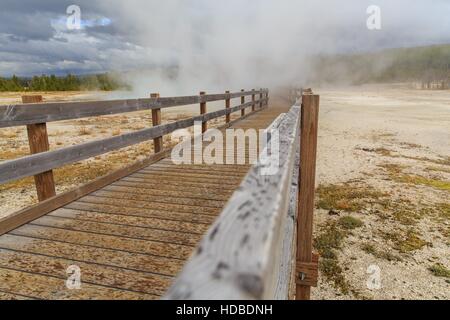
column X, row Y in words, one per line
column 307, row 263
column 267, row 98
column 261, row 98
column 203, row 111
column 38, row 141
column 253, row 100
column 242, row 102
column 156, row 121
column 227, row 106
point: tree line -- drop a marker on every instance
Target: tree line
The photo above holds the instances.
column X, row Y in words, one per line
column 103, row 82
column 431, row 63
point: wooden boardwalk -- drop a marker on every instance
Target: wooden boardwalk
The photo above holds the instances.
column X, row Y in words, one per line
column 130, row 238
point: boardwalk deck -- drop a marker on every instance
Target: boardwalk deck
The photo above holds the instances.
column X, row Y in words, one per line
column 130, row 238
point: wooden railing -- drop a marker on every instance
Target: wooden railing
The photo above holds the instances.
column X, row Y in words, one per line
column 42, row 161
column 261, row 245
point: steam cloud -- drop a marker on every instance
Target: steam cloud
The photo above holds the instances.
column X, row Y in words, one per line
column 180, row 46
column 244, row 43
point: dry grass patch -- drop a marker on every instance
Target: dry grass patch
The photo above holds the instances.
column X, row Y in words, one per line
column 437, row 169
column 329, row 240
column 406, row 216
column 84, row 131
column 381, row 254
column 346, row 197
column 406, row 242
column 8, row 134
column 13, row 154
column 396, row 174
column 419, row 180
column 444, row 210
column 410, row 145
column 326, row 243
column 350, row 223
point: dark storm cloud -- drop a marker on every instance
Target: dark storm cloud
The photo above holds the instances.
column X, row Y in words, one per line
column 204, row 35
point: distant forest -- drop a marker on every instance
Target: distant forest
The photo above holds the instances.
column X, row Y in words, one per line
column 103, row 82
column 419, row 64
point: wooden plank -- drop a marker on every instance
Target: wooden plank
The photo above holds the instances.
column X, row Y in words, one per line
column 162, row 206
column 42, row 162
column 28, row 214
column 193, row 189
column 185, row 177
column 16, row 115
column 156, row 121
column 238, row 256
column 6, row 296
column 46, row 287
column 38, row 141
column 38, row 163
column 232, row 179
column 309, row 272
column 111, row 277
column 115, row 225
column 117, row 200
column 95, row 239
column 130, row 195
column 184, row 183
column 204, row 171
column 123, row 186
column 308, row 153
column 132, row 216
column 113, row 258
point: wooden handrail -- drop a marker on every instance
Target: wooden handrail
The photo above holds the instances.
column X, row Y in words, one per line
column 43, row 162
column 260, row 247
column 240, row 257
column 17, row 115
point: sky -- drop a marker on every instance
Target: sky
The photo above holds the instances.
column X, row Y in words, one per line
column 211, row 43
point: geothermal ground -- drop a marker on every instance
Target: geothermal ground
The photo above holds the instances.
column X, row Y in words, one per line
column 383, row 185
column 383, row 193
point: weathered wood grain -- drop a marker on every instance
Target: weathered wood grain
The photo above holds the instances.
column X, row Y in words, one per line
column 42, row 162
column 38, row 141
column 227, row 106
column 308, row 152
column 28, row 214
column 156, row 121
column 243, row 102
column 239, row 256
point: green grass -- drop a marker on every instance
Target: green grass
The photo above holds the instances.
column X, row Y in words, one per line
column 327, row 243
column 395, row 173
column 406, row 216
column 370, row 249
column 350, row 223
column 419, row 180
column 411, row 242
column 440, row 271
column 345, row 197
